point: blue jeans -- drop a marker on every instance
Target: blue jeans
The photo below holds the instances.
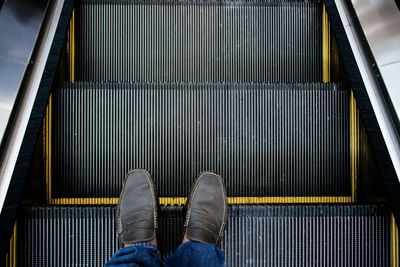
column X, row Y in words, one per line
column 188, row 254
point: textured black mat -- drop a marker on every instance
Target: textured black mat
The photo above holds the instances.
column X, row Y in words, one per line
column 265, row 140
column 265, row 235
column 199, row 41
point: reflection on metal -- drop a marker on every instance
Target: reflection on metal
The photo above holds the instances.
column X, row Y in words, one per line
column 395, row 243
column 20, row 22
column 354, row 146
column 326, row 47
column 11, row 151
column 376, row 98
column 11, row 257
column 380, row 22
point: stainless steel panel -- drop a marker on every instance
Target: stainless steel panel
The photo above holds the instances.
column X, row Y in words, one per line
column 26, row 105
column 380, row 21
column 375, row 96
column 391, row 75
column 20, row 22
column 11, row 74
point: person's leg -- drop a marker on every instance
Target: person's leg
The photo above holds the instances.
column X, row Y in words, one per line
column 206, row 218
column 192, row 253
column 137, row 222
column 138, row 255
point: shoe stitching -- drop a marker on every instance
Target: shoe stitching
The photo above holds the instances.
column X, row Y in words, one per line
column 123, row 187
column 154, row 199
column 121, row 201
column 188, row 213
column 221, row 231
column 224, row 218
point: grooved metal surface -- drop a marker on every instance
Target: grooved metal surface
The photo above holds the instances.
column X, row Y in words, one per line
column 321, row 235
column 264, row 139
column 199, row 41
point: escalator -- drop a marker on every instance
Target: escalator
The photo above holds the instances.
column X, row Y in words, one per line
column 255, row 91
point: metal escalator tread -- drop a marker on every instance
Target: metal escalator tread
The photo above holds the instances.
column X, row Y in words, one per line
column 199, row 41
column 285, row 235
column 264, row 139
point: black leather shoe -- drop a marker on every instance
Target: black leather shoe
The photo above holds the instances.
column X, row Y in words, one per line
column 137, row 215
column 207, row 210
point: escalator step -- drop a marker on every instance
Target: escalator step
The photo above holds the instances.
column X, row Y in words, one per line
column 318, row 235
column 264, row 139
column 198, row 41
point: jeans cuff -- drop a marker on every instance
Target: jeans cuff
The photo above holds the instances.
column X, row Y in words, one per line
column 145, row 244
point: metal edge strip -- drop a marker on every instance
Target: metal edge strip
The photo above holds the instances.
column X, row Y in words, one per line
column 371, row 86
column 27, row 102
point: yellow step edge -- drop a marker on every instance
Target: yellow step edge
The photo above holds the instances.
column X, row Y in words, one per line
column 354, row 145
column 11, row 256
column 326, row 54
column 326, row 46
column 71, row 47
column 394, row 243
column 231, row 200
column 266, row 200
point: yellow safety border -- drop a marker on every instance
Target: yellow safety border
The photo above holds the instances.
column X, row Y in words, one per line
column 395, row 243
column 11, row 256
column 48, row 115
column 354, row 145
column 182, row 200
column 71, row 47
column 354, row 115
column 326, row 38
column 326, row 46
column 47, row 149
